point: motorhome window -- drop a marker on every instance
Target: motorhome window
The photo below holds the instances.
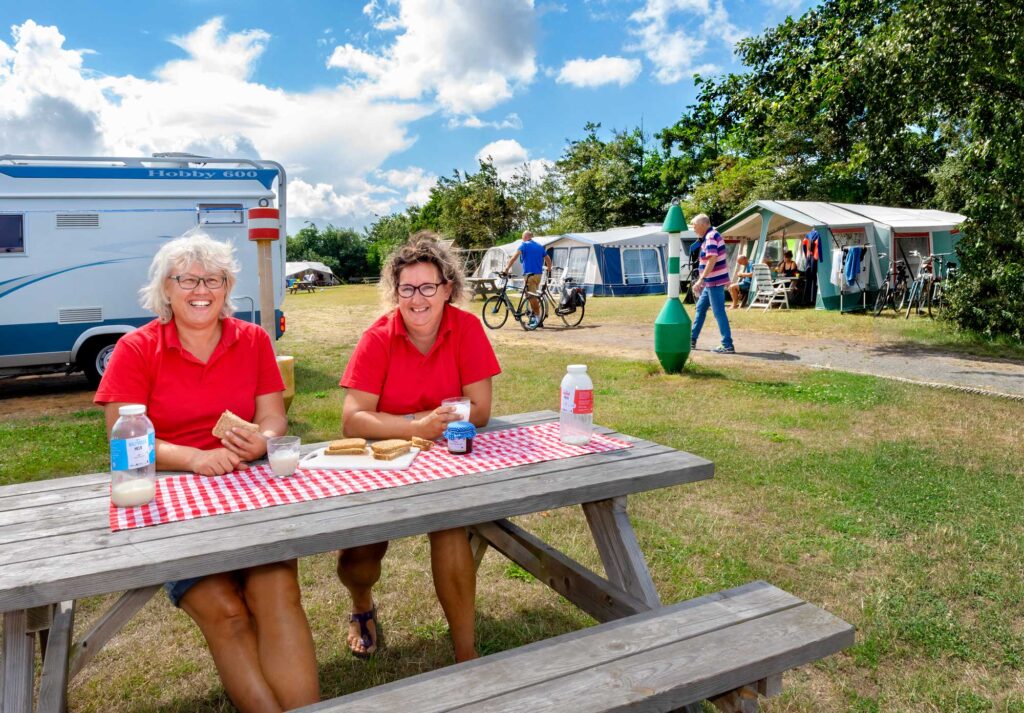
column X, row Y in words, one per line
column 221, row 214
column 12, row 234
column 640, row 266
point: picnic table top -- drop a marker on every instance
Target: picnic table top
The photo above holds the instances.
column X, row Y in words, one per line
column 56, row 543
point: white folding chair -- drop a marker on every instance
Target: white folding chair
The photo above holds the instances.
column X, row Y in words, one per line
column 766, row 292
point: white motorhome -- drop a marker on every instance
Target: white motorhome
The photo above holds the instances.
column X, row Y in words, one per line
column 77, row 235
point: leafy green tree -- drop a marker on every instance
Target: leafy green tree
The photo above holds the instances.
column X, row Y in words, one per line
column 387, row 233
column 609, row 183
column 898, row 102
column 341, row 249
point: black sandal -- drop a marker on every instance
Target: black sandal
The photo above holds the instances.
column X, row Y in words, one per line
column 365, row 637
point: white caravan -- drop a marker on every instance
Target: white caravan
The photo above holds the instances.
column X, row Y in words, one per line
column 77, row 235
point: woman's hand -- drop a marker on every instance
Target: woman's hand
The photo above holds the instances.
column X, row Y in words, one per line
column 433, row 424
column 215, row 462
column 247, row 445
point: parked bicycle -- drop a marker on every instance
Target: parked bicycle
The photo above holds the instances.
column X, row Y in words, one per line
column 498, row 307
column 926, row 292
column 569, row 302
column 893, row 291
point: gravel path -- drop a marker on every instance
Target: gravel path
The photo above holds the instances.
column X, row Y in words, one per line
column 915, row 363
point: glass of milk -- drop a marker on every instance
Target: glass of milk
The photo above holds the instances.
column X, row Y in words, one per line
column 283, row 454
column 462, row 406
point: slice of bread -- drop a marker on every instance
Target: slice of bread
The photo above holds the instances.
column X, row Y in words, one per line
column 347, row 443
column 391, row 445
column 422, row 443
column 392, row 455
column 390, row 449
column 344, row 451
column 229, row 420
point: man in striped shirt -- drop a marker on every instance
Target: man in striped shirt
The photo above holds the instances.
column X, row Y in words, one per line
column 713, row 279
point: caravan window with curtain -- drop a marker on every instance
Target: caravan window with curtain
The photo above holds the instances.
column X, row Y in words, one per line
column 641, row 266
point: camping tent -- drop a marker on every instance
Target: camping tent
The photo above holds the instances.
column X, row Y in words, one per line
column 324, row 275
column 766, row 228
column 616, row 262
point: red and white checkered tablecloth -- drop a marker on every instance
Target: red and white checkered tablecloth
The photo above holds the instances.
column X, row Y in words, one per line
column 184, row 497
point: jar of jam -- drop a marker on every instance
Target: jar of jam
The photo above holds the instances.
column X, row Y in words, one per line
column 459, row 435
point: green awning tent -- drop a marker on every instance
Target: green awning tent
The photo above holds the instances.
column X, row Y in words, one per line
column 766, row 228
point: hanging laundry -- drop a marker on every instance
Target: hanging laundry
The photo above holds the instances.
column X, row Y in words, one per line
column 836, row 276
column 851, row 270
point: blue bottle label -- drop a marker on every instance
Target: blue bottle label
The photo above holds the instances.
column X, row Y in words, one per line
column 129, row 453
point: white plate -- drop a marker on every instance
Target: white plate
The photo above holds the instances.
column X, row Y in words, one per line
column 317, row 459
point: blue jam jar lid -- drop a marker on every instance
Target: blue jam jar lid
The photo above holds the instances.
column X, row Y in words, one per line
column 460, row 429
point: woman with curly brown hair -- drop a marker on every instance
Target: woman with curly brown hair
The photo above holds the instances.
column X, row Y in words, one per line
column 422, row 351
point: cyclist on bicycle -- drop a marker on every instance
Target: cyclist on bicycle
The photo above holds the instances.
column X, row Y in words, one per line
column 534, row 259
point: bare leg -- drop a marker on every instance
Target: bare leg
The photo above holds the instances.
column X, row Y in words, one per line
column 284, row 641
column 734, row 290
column 359, row 570
column 451, row 561
column 217, row 607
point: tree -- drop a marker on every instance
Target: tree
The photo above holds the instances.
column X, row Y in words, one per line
column 341, row 249
column 387, row 233
column 609, row 183
column 897, row 102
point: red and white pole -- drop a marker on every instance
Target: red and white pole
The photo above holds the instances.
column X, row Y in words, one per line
column 265, row 228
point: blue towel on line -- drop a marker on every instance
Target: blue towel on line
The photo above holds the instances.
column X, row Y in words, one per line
column 852, row 269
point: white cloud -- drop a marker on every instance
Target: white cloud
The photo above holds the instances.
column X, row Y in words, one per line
column 469, row 55
column 206, row 103
column 673, row 51
column 472, row 121
column 600, row 71
column 414, row 181
column 511, row 158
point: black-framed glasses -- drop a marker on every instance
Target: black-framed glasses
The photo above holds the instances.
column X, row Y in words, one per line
column 190, row 282
column 427, row 289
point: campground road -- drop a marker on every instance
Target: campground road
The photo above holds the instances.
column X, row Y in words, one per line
column 908, row 362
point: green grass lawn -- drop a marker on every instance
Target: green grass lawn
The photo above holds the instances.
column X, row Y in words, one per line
column 896, row 507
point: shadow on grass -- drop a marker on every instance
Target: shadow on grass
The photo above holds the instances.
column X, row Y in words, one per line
column 342, row 673
column 949, row 349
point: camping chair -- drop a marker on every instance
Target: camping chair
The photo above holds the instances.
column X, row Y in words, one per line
column 765, row 291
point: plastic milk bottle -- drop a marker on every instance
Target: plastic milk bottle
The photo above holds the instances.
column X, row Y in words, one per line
column 576, row 418
column 132, row 458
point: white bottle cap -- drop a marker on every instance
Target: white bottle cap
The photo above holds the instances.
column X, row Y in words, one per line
column 577, row 369
column 132, row 410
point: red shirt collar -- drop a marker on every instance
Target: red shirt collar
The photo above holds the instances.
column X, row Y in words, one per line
column 228, row 336
column 398, row 325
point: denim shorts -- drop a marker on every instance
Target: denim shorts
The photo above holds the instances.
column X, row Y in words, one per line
column 176, row 589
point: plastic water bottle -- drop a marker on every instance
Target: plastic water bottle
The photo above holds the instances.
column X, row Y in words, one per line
column 576, row 417
column 132, row 458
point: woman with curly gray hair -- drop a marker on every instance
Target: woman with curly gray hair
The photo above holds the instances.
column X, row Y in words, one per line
column 188, row 366
column 421, row 352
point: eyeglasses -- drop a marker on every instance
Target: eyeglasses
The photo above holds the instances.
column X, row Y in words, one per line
column 427, row 289
column 190, row 282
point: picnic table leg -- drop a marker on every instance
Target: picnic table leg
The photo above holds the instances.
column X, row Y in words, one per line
column 108, row 625
column 18, row 663
column 624, row 563
column 53, row 684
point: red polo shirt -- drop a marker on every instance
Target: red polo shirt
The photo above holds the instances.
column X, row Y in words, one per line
column 387, row 363
column 184, row 397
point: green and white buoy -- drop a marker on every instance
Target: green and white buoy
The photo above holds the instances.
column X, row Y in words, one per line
column 672, row 327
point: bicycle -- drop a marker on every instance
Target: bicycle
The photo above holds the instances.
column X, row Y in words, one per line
column 926, row 291
column 497, row 308
column 570, row 305
column 893, row 291
column 941, row 276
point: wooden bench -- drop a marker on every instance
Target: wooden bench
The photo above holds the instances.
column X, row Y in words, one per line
column 726, row 647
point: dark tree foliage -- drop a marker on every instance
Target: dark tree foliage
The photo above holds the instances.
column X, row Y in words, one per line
column 341, row 249
column 894, row 102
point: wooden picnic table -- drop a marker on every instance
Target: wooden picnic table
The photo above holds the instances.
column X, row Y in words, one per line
column 56, row 545
column 302, row 286
column 484, row 286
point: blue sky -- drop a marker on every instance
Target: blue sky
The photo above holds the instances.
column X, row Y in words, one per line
column 366, row 102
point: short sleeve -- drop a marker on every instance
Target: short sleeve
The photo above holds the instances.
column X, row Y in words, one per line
column 476, row 357
column 368, row 365
column 268, row 380
column 128, row 376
